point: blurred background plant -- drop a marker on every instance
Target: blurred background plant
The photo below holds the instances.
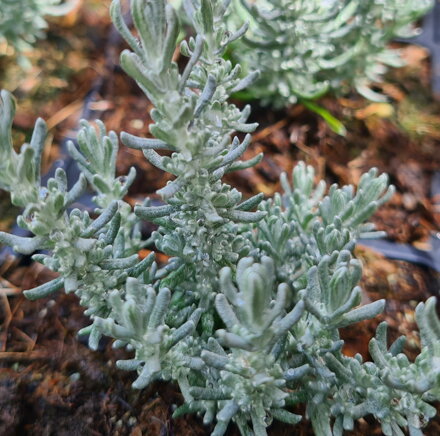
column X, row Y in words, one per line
column 305, row 48
column 22, row 23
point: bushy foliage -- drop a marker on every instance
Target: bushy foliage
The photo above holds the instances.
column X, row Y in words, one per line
column 304, row 48
column 245, row 315
column 22, row 21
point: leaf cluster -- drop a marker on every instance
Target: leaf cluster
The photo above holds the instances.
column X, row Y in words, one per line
column 22, row 22
column 246, row 312
column 305, row 48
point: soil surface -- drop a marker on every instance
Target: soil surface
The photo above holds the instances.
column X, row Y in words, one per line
column 50, row 382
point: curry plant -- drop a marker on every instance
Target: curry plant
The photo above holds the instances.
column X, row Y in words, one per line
column 245, row 313
column 306, row 47
column 22, row 22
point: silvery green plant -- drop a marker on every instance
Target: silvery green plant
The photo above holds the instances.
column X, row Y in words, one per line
column 89, row 254
column 245, row 314
column 22, row 22
column 305, row 48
